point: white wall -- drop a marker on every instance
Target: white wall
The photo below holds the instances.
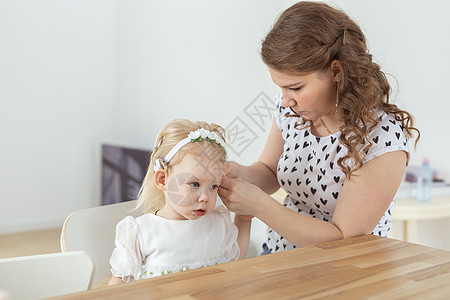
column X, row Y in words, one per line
column 56, row 91
column 196, row 59
column 74, row 74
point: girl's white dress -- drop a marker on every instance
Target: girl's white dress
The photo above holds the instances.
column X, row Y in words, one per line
column 150, row 246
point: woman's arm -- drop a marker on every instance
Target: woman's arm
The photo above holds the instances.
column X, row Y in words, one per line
column 243, row 223
column 365, row 198
column 262, row 173
column 362, row 202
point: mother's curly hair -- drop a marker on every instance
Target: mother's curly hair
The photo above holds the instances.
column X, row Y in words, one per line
column 307, row 37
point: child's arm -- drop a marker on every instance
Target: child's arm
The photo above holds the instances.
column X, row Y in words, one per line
column 115, row 280
column 243, row 223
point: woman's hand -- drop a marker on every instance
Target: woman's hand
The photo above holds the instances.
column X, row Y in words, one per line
column 234, row 170
column 246, row 218
column 240, row 197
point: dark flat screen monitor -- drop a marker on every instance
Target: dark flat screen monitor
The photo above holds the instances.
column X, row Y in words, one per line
column 123, row 170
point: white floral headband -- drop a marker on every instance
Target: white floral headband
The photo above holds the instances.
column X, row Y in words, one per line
column 194, row 136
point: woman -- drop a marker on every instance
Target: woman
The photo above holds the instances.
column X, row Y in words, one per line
column 337, row 146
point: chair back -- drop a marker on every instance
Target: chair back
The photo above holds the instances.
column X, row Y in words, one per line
column 93, row 230
column 46, row 275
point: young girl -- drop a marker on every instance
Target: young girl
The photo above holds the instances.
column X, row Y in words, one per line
column 181, row 229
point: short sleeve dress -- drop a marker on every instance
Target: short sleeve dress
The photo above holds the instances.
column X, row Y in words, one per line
column 308, row 170
column 151, row 246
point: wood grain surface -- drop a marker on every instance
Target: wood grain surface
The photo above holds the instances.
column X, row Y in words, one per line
column 358, row 268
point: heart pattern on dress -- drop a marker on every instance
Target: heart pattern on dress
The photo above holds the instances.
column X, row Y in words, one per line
column 313, row 179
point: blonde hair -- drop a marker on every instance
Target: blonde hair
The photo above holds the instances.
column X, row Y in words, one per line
column 308, row 37
column 150, row 198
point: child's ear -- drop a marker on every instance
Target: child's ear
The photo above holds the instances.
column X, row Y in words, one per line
column 160, row 179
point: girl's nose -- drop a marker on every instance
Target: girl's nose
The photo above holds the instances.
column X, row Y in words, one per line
column 203, row 197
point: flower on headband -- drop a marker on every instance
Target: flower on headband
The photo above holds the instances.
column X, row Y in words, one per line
column 212, row 135
column 202, row 133
column 194, row 135
column 215, row 138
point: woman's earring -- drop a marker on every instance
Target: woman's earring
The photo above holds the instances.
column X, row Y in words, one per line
column 337, row 94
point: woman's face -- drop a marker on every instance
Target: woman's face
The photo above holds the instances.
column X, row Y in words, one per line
column 311, row 95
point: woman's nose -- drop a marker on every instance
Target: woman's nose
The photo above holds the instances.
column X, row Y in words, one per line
column 288, row 100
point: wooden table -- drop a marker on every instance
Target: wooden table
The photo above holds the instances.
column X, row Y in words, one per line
column 361, row 267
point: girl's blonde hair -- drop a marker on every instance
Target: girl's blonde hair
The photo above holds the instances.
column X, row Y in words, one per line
column 150, row 198
column 307, row 37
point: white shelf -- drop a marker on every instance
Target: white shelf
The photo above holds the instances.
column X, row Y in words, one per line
column 408, row 190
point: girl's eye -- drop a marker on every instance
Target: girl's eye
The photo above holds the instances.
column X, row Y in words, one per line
column 195, row 184
column 295, row 89
column 214, row 186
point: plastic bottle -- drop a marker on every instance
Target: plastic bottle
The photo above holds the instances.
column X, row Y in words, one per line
column 424, row 182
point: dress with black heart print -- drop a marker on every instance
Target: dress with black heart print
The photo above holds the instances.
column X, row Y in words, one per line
column 309, row 173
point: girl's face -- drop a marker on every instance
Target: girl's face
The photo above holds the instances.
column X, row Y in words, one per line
column 311, row 95
column 192, row 185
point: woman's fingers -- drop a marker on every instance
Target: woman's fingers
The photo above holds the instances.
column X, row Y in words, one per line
column 226, row 182
column 233, row 169
column 223, row 189
column 230, row 169
column 224, row 199
column 240, row 197
column 224, row 194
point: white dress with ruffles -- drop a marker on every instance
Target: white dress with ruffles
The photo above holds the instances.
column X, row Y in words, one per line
column 150, row 246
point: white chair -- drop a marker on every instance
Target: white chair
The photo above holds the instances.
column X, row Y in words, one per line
column 93, row 230
column 46, row 275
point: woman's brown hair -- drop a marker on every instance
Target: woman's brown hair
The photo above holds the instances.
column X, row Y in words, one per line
column 308, row 37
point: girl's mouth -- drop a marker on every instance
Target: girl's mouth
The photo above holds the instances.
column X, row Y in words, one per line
column 200, row 212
